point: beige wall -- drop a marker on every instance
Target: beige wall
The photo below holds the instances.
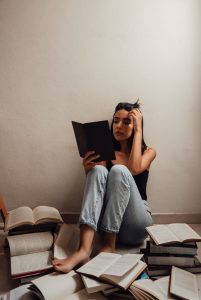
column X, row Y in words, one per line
column 74, row 60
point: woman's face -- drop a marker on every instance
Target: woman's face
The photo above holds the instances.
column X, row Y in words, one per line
column 122, row 125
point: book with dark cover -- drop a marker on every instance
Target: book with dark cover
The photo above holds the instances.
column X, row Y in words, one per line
column 94, row 136
column 190, row 249
column 164, row 270
column 176, row 260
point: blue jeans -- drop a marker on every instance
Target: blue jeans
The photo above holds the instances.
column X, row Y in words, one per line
column 112, row 203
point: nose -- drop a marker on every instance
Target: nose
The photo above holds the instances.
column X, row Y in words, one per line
column 119, row 124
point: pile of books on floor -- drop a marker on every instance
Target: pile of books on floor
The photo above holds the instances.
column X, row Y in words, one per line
column 34, row 237
column 180, row 284
column 171, row 245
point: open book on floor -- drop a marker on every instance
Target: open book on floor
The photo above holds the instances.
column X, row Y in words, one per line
column 23, row 218
column 30, row 253
column 147, row 289
column 172, row 233
column 185, row 285
column 120, row 270
column 62, row 287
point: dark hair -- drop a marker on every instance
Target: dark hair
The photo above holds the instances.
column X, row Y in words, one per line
column 127, row 106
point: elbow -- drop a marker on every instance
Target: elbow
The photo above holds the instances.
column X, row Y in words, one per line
column 135, row 170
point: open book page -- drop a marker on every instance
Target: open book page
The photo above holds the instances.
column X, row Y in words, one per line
column 97, row 265
column 198, row 277
column 31, row 262
column 83, row 295
column 157, row 290
column 161, row 234
column 184, row 232
column 19, row 216
column 92, row 285
column 30, row 243
column 58, row 286
column 46, row 214
column 19, row 293
column 67, row 241
column 163, row 285
column 141, row 295
column 126, row 280
column 123, row 265
column 184, row 284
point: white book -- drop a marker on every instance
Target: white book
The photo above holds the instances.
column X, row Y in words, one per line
column 62, row 287
column 30, row 253
column 172, row 233
column 115, row 268
column 26, row 216
column 185, row 284
column 149, row 289
column 92, row 285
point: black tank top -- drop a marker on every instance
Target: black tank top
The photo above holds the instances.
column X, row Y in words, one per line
column 140, row 180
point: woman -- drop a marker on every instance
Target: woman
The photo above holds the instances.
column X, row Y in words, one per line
column 115, row 199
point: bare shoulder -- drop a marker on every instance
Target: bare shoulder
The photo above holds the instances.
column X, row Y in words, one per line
column 151, row 152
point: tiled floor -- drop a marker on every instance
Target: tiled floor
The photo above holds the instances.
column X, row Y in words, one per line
column 6, row 283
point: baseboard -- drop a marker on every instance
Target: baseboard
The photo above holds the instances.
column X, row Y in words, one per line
column 166, row 218
column 158, row 218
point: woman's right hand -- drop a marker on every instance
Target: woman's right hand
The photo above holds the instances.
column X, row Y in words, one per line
column 88, row 160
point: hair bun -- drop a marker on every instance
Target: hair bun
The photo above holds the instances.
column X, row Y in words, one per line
column 137, row 104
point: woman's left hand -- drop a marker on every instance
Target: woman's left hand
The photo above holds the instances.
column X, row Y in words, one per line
column 137, row 119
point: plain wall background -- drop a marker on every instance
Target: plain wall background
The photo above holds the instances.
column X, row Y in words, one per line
column 75, row 60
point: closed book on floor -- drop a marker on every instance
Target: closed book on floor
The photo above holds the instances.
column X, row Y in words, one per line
column 182, row 261
column 163, row 270
column 177, row 248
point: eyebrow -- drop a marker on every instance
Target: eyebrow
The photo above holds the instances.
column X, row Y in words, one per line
column 122, row 118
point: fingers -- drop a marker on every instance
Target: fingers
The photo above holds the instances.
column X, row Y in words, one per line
column 89, row 160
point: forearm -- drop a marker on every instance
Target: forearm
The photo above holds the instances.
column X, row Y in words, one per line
column 135, row 158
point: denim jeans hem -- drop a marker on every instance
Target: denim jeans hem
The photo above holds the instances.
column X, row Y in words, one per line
column 94, row 227
column 116, row 231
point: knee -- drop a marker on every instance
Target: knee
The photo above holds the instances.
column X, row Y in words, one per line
column 99, row 172
column 118, row 171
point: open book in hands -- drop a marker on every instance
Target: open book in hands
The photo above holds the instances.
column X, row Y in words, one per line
column 26, row 216
column 172, row 233
column 120, row 270
column 94, row 136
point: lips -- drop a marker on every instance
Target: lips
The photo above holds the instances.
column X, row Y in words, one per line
column 118, row 133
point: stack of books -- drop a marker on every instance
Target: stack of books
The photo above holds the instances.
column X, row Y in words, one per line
column 171, row 245
column 30, row 238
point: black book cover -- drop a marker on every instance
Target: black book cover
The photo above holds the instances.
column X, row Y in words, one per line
column 94, row 136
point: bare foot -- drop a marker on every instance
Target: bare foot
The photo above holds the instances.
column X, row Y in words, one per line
column 67, row 264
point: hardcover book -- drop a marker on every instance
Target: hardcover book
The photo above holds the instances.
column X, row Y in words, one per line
column 94, row 136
